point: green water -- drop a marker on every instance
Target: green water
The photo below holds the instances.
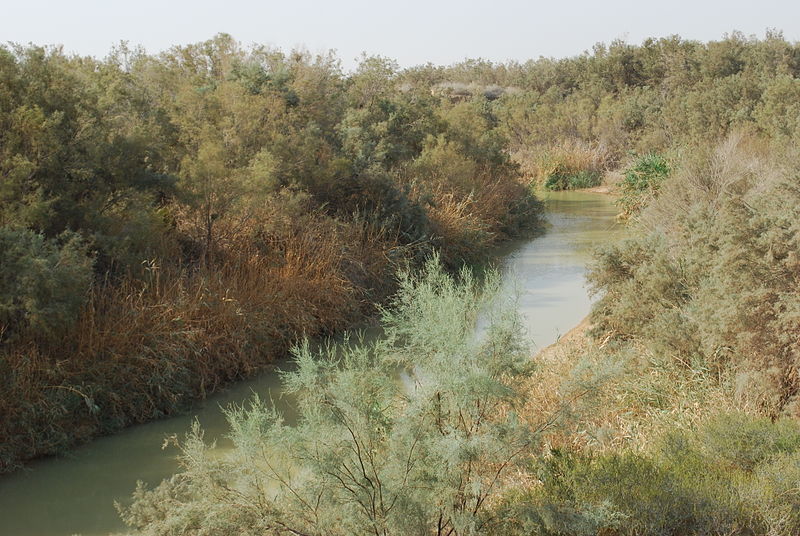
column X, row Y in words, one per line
column 548, row 272
column 75, row 494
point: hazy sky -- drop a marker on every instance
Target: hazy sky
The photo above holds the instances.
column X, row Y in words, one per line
column 411, row 31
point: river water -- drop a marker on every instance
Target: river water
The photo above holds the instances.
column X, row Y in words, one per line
column 74, row 494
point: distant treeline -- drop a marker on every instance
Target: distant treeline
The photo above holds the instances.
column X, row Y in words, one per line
column 641, row 98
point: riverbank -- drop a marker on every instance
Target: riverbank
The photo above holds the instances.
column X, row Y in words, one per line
column 160, row 242
column 547, row 273
column 685, row 393
column 145, row 350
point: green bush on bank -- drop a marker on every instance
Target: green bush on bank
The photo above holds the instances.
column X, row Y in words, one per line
column 371, row 453
column 642, row 181
column 682, row 485
column 43, row 283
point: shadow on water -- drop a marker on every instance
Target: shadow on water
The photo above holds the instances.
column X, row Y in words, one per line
column 74, row 494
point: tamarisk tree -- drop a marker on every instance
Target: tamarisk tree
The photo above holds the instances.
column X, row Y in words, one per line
column 410, row 434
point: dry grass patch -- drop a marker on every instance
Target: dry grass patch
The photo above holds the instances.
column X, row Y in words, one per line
column 610, row 397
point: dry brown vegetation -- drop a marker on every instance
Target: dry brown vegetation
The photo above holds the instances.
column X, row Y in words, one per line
column 141, row 349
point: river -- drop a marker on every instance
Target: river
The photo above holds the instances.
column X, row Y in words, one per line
column 74, row 494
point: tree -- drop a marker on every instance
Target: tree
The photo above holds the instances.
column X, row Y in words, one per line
column 373, row 452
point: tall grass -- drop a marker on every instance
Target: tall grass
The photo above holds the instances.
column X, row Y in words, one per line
column 568, row 165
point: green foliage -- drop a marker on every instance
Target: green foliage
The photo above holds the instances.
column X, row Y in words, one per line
column 569, row 165
column 644, row 98
column 642, row 181
column 371, row 452
column 710, row 277
column 382, row 202
column 682, row 485
column 742, row 443
column 43, row 283
column 76, row 139
column 560, row 180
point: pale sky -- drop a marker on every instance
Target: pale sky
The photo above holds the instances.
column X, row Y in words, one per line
column 411, row 31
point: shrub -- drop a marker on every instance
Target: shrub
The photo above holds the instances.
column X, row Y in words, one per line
column 642, row 181
column 742, row 443
column 371, row 453
column 43, row 283
column 377, row 197
column 709, row 276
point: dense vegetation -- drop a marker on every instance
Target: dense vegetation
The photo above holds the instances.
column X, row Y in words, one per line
column 711, row 277
column 233, row 172
column 733, row 475
column 169, row 223
column 372, row 453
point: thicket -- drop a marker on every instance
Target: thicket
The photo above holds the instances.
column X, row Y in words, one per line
column 693, row 426
column 710, row 277
column 701, row 138
column 171, row 222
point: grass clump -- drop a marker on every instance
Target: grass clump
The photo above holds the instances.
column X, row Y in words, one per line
column 565, row 180
column 571, row 165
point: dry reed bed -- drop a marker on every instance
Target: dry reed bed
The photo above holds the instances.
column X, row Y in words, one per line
column 570, row 156
column 144, row 347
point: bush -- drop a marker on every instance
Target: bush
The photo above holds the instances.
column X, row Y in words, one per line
column 371, row 453
column 742, row 443
column 377, row 197
column 642, row 181
column 43, row 283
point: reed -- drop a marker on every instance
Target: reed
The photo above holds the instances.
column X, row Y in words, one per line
column 144, row 348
